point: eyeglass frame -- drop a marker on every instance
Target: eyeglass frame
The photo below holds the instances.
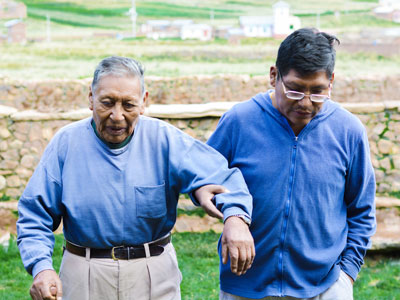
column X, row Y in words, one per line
column 326, row 97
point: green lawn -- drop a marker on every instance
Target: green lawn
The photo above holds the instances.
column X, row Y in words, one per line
column 198, row 261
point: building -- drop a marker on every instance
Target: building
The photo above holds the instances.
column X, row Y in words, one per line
column 13, row 13
column 284, row 22
column 389, row 10
column 280, row 24
column 12, row 10
column 16, row 31
column 161, row 29
column 202, row 32
column 257, row 26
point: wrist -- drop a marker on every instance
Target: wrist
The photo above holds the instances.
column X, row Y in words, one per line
column 244, row 218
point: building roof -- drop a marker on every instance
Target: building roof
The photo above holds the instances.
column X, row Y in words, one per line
column 256, row 20
column 280, row 4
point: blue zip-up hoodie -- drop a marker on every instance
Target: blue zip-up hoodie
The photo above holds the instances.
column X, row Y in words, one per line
column 313, row 197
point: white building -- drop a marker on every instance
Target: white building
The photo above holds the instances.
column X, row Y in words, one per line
column 388, row 9
column 281, row 23
column 161, row 29
column 201, row 32
column 257, row 26
column 284, row 23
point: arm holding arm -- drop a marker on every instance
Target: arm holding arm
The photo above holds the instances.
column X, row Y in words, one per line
column 201, row 169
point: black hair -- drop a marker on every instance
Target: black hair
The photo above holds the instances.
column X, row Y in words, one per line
column 306, row 51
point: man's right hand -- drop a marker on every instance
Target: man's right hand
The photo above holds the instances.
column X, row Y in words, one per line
column 46, row 286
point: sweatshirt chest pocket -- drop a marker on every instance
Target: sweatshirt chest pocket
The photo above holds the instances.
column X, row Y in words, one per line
column 150, row 201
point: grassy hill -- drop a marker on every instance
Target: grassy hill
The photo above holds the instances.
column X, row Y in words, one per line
column 83, row 32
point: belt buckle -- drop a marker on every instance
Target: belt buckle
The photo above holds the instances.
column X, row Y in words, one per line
column 113, row 253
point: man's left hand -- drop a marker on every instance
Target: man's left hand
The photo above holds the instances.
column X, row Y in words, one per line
column 204, row 196
column 238, row 243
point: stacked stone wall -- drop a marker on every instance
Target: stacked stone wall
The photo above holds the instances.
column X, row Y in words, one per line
column 66, row 95
column 25, row 134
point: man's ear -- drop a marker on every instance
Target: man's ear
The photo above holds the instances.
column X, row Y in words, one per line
column 90, row 98
column 145, row 96
column 332, row 78
column 273, row 73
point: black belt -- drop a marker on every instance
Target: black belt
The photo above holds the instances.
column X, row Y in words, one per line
column 121, row 252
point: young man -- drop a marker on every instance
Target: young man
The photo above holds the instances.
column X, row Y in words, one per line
column 307, row 164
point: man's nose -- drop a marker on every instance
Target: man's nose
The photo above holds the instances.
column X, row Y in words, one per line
column 306, row 100
column 117, row 113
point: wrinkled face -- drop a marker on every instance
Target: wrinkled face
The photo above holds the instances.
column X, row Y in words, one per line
column 116, row 103
column 299, row 112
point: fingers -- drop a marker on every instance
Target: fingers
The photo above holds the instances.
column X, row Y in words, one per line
column 46, row 286
column 59, row 292
column 218, row 189
column 224, row 252
column 234, row 255
column 239, row 245
column 211, row 210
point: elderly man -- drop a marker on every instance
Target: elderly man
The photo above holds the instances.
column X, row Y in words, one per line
column 114, row 180
column 307, row 164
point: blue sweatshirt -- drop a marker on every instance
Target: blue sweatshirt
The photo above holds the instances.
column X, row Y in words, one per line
column 313, row 197
column 110, row 197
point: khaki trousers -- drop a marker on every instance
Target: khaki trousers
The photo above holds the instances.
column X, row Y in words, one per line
column 342, row 289
column 152, row 278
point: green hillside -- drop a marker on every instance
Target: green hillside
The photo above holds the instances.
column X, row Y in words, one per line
column 83, row 32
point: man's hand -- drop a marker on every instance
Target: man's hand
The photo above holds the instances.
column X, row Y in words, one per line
column 204, row 196
column 238, row 243
column 46, row 286
column 351, row 279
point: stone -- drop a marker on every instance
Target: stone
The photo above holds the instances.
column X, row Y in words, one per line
column 34, row 150
column 384, row 188
column 364, row 118
column 387, row 202
column 34, row 135
column 378, row 129
column 385, row 163
column 379, row 175
column 395, row 127
column 47, row 133
column 390, row 135
column 16, row 144
column 4, row 133
column 373, row 148
column 13, row 181
column 10, row 155
column 24, row 151
column 24, row 173
column 20, row 136
column 396, row 161
column 385, row 146
column 375, row 162
column 7, row 164
column 3, row 182
column 3, row 146
column 14, row 193
column 28, row 161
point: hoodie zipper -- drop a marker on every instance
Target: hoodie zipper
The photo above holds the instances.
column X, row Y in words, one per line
column 287, row 209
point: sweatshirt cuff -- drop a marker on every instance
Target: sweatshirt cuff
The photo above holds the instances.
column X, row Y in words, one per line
column 235, row 211
column 350, row 269
column 41, row 266
column 193, row 198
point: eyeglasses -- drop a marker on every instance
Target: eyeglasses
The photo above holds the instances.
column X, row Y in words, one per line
column 294, row 95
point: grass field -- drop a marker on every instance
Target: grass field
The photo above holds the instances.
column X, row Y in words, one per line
column 83, row 32
column 198, row 261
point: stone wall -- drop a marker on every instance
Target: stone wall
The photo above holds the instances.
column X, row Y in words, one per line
column 25, row 134
column 66, row 95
